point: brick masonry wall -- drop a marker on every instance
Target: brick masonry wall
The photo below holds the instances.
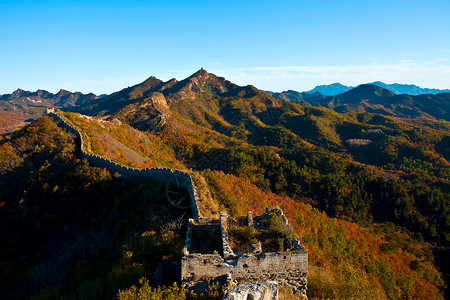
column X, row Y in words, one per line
column 289, row 267
column 165, row 175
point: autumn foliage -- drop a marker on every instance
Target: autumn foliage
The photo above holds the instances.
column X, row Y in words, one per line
column 346, row 260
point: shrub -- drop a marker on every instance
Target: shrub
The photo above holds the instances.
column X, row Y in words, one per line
column 242, row 237
column 279, row 227
column 145, row 291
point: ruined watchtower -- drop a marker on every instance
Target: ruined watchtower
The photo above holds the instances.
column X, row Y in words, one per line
column 254, row 254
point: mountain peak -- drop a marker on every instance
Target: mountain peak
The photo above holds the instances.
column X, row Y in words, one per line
column 201, row 74
column 42, row 94
column 168, row 84
column 62, row 92
column 196, row 81
column 372, row 89
column 19, row 93
column 360, row 93
column 152, row 80
column 331, row 89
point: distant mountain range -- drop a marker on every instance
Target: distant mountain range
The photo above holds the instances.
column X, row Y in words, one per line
column 364, row 98
column 22, row 106
column 387, row 99
column 376, row 99
column 42, row 98
column 410, row 89
column 331, row 89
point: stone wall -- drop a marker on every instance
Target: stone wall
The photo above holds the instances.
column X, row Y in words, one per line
column 227, row 251
column 165, row 175
column 288, row 268
column 263, row 290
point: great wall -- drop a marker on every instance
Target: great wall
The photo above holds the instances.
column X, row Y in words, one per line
column 248, row 275
column 165, row 175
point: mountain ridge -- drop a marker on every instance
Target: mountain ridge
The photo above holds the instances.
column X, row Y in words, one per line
column 294, row 96
column 21, row 106
column 376, row 99
column 62, row 98
column 397, row 88
column 376, row 182
column 360, row 93
column 173, row 90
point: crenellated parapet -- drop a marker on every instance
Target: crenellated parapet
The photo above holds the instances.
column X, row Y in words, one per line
column 178, row 178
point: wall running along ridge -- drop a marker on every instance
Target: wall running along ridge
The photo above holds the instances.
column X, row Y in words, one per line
column 165, row 175
column 287, row 268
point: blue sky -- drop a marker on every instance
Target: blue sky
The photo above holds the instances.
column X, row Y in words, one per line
column 104, row 46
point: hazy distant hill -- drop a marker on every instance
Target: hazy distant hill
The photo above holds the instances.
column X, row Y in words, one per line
column 375, row 99
column 330, row 89
column 410, row 89
column 363, row 92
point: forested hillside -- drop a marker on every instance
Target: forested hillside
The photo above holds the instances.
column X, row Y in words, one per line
column 345, row 260
column 72, row 230
column 367, row 193
column 363, row 167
